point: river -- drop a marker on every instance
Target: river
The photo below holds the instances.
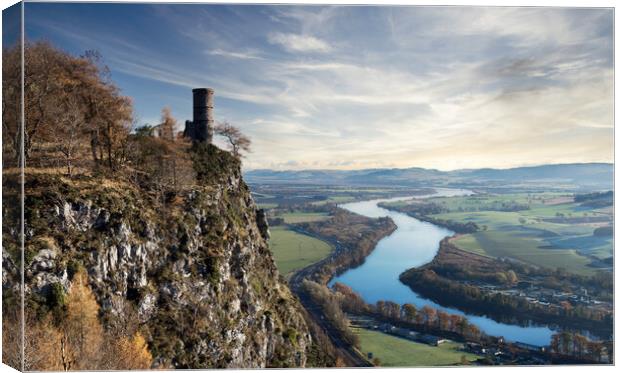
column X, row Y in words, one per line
column 413, row 244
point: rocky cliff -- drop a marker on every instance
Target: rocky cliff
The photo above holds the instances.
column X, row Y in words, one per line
column 193, row 267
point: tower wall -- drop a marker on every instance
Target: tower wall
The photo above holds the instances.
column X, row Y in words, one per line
column 203, row 114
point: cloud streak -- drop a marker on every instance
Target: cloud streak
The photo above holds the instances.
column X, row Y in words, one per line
column 299, row 43
column 231, row 54
column 359, row 87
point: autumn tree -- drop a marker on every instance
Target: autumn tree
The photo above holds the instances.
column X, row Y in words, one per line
column 443, row 320
column 580, row 344
column 113, row 128
column 11, row 334
column 429, row 315
column 71, row 132
column 351, row 301
column 42, row 343
column 60, row 90
column 236, row 140
column 392, row 310
column 566, row 341
column 133, row 353
column 108, row 113
column 77, row 340
column 11, row 108
column 596, row 350
column 330, row 304
column 158, row 164
column 44, row 72
column 455, row 321
column 82, row 333
column 380, row 307
column 409, row 311
column 555, row 343
column 168, row 124
column 463, row 326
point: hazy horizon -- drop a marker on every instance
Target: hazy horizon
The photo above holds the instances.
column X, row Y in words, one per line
column 337, row 87
column 426, row 168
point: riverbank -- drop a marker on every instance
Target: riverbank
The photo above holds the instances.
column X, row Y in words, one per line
column 354, row 237
column 490, row 287
column 457, row 227
column 409, row 245
column 414, row 244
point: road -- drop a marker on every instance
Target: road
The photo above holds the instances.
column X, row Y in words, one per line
column 350, row 354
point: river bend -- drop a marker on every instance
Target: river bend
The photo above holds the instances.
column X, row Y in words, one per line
column 413, row 244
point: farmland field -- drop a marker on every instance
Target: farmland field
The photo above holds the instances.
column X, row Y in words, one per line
column 302, row 217
column 335, row 199
column 292, row 250
column 544, row 229
column 516, row 245
column 267, row 206
column 399, row 352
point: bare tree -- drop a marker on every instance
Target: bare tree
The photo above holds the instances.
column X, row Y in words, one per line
column 236, row 140
column 168, row 124
column 11, row 108
column 51, row 77
column 70, row 133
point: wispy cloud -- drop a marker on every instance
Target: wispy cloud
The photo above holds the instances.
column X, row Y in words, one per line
column 351, row 87
column 299, row 43
column 231, row 54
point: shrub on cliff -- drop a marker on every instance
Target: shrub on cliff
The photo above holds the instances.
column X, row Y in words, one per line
column 212, row 164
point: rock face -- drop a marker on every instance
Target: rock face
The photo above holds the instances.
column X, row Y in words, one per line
column 196, row 269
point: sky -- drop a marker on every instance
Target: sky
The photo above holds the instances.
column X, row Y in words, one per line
column 351, row 87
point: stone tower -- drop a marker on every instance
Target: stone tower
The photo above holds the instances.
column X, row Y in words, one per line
column 200, row 129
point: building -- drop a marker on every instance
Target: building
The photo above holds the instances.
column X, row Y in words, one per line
column 200, row 129
column 163, row 131
column 431, row 340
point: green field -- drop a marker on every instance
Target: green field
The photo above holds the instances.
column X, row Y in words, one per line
column 335, row 199
column 516, row 244
column 530, row 235
column 399, row 352
column 292, row 250
column 301, row 217
column 267, row 206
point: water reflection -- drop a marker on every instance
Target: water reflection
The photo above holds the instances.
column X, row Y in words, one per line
column 413, row 244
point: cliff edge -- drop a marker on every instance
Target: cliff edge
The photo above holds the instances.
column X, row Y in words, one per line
column 193, row 267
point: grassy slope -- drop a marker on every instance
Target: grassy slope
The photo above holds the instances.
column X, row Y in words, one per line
column 524, row 236
column 292, row 250
column 399, row 352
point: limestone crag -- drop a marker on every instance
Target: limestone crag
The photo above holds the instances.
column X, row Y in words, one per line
column 195, row 269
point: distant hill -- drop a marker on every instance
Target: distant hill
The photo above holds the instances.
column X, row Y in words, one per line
column 586, row 176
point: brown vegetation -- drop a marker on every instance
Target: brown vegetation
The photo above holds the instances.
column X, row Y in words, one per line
column 354, row 236
column 71, row 107
column 448, row 279
column 426, row 319
column 72, row 337
column 78, row 120
column 331, row 304
column 568, row 344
